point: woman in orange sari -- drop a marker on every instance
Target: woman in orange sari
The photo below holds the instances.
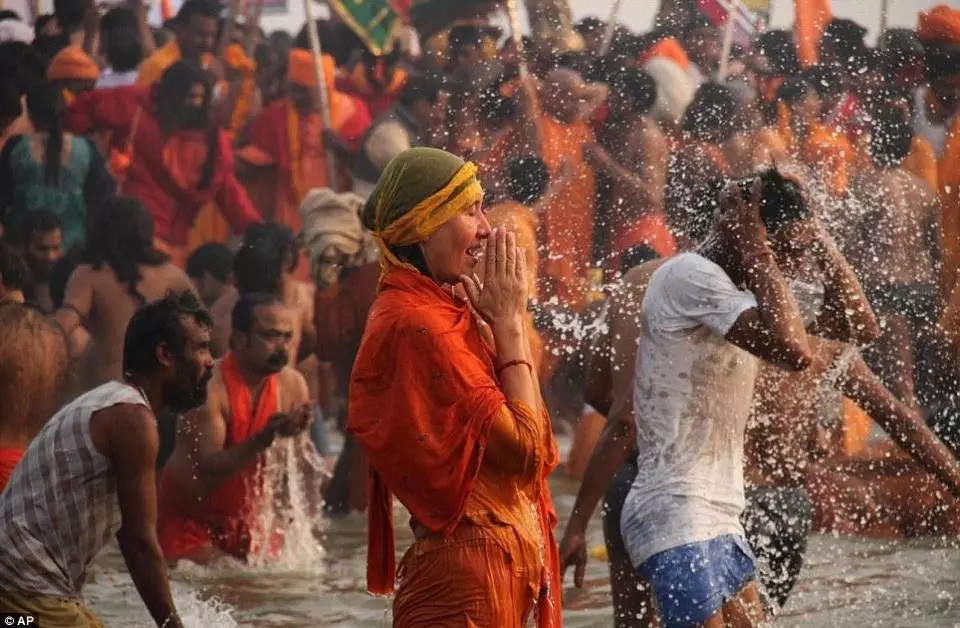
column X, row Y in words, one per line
column 444, row 400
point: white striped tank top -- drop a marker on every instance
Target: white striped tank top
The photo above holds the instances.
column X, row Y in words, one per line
column 60, row 506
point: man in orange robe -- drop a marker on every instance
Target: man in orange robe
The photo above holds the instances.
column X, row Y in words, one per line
column 286, row 149
column 207, row 502
column 377, row 81
column 195, row 29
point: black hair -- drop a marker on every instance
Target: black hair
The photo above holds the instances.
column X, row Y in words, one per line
column 209, row 9
column 636, row 255
column 123, row 50
column 900, row 47
column 891, row 137
column 45, row 108
column 60, row 275
column 117, row 19
column 527, row 179
column 41, row 22
column 639, row 87
column 156, row 323
column 578, row 61
column 780, row 51
column 846, row 36
column 793, row 90
column 465, row 35
column 37, row 221
column 7, row 14
column 175, row 85
column 825, row 80
column 943, row 60
column 241, row 319
column 277, row 235
column 214, row 258
column 710, row 112
column 589, row 25
column 781, row 201
column 420, row 88
column 122, row 238
column 14, row 273
column 69, row 14
column 21, row 66
column 10, row 106
column 258, row 267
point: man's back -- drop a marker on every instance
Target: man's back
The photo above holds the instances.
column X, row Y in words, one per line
column 60, row 506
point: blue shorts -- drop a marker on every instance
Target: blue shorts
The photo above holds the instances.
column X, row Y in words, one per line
column 692, row 582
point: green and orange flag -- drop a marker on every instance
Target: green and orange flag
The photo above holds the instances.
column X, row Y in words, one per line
column 376, row 22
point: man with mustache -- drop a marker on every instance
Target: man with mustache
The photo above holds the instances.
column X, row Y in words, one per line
column 94, row 457
column 208, row 505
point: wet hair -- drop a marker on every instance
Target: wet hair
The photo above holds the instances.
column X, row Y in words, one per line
column 258, row 267
column 209, row 9
column 780, row 50
column 943, row 60
column 9, row 100
column 590, row 25
column 124, row 51
column 420, row 88
column 636, row 255
column 639, row 87
column 14, row 273
column 122, row 238
column 174, row 87
column 41, row 22
column 465, row 35
column 846, row 36
column 117, row 19
column 156, row 323
column 214, row 258
column 37, row 221
column 703, row 209
column 793, row 90
column 709, row 113
column 277, row 235
column 825, row 80
column 900, row 47
column 60, row 275
column 890, row 140
column 781, row 202
column 45, row 108
column 241, row 319
column 527, row 179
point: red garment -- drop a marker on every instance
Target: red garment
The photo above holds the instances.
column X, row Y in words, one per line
column 173, row 207
column 651, row 230
column 423, row 398
column 377, row 98
column 8, row 462
column 340, row 316
column 222, row 518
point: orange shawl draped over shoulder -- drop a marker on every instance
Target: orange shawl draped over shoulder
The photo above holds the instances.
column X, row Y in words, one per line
column 423, row 397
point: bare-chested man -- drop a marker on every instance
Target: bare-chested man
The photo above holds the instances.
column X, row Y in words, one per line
column 41, row 242
column 33, row 367
column 636, row 157
column 208, row 504
column 122, row 272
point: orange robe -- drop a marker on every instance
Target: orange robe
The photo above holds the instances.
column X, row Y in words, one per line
column 426, row 406
column 949, row 180
column 223, row 518
column 831, row 153
column 9, row 458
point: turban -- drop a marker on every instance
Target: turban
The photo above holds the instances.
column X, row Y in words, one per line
column 237, row 59
column 940, row 24
column 73, row 63
column 300, row 69
column 418, row 191
column 331, row 218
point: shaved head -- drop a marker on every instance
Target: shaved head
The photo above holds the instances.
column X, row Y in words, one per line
column 562, row 94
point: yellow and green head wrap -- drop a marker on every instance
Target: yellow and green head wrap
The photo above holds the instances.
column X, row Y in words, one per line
column 419, row 190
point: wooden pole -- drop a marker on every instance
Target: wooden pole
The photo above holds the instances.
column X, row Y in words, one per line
column 884, row 17
column 321, row 89
column 229, row 24
column 253, row 25
column 514, row 19
column 611, row 28
column 727, row 40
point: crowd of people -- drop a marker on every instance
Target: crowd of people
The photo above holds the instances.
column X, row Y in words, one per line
column 730, row 272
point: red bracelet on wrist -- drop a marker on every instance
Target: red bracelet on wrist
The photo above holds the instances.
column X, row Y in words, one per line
column 507, row 365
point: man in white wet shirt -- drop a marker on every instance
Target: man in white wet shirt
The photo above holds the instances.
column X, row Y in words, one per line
column 707, row 318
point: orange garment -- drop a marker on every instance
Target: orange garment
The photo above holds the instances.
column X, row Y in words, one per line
column 922, row 161
column 156, row 64
column 831, row 153
column 812, row 17
column 769, row 147
column 301, row 71
column 668, row 48
column 431, row 430
column 178, row 254
column 380, row 97
column 856, row 428
column 949, row 180
column 222, row 518
column 650, row 230
column 9, row 458
column 939, row 24
column 73, row 63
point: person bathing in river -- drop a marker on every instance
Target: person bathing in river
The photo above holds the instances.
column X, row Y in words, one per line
column 449, row 411
column 208, row 491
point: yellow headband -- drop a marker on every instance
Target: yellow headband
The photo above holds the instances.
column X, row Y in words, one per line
column 426, row 217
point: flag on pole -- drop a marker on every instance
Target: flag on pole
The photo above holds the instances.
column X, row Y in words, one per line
column 750, row 16
column 375, row 22
column 812, row 18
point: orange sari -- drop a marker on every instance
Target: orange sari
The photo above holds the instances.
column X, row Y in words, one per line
column 426, row 406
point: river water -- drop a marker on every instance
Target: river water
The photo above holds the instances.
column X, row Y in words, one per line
column 845, row 582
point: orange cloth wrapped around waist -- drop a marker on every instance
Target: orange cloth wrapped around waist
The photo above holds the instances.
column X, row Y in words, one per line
column 425, row 424
column 9, row 458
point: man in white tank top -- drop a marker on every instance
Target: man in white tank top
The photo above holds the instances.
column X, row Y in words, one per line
column 96, row 457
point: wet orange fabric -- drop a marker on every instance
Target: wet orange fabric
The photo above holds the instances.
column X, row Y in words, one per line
column 426, row 427
column 949, row 180
column 922, row 161
column 812, row 17
column 668, row 48
column 939, row 24
column 8, row 462
column 223, row 517
column 831, row 153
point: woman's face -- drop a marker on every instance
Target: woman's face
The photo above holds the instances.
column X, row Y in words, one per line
column 455, row 248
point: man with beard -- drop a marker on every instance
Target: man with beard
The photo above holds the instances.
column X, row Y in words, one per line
column 208, row 487
column 41, row 242
column 95, row 457
column 167, row 152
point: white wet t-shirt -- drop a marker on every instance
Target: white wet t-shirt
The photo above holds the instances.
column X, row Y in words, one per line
column 692, row 396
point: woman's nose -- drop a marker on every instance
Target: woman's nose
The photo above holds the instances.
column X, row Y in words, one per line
column 484, row 231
